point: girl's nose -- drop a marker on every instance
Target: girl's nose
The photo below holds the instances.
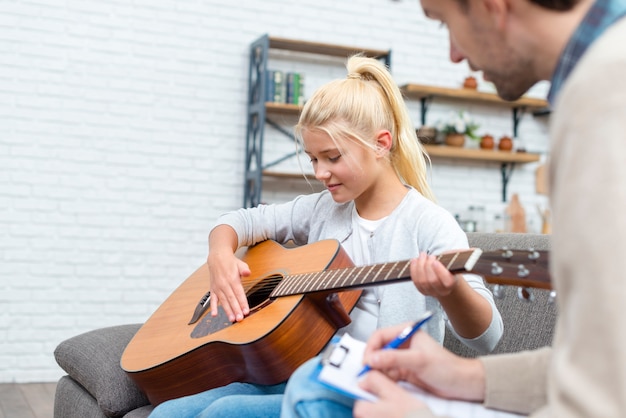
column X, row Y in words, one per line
column 321, row 172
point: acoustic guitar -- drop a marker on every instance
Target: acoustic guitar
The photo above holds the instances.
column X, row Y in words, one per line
column 298, row 298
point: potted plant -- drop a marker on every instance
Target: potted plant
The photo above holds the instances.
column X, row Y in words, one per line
column 456, row 127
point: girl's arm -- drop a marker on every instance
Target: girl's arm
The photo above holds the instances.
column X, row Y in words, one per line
column 226, row 271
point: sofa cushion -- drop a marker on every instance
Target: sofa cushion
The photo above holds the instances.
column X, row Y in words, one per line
column 93, row 360
column 71, row 401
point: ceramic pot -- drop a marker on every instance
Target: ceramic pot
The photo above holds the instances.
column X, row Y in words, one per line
column 427, row 135
column 505, row 143
column 455, row 140
column 470, row 83
column 487, row 142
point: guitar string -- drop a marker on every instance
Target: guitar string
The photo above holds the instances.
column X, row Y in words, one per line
column 300, row 280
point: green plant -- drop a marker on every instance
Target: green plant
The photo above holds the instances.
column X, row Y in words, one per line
column 459, row 123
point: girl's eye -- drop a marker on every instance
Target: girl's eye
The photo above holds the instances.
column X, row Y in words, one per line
column 334, row 159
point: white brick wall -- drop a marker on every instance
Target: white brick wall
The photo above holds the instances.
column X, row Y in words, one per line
column 122, row 128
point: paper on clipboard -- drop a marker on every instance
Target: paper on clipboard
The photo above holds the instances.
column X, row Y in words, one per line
column 342, row 363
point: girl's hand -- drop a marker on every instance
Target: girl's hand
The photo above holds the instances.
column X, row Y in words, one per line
column 226, row 271
column 431, row 278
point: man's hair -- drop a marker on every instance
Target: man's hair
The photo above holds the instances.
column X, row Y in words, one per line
column 556, row 4
column 561, row 5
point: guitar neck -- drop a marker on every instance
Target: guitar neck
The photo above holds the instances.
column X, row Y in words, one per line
column 370, row 275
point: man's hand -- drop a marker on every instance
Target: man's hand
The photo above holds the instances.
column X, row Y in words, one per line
column 426, row 364
column 393, row 401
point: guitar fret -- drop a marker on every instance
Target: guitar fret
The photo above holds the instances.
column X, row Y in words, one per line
column 334, row 274
column 401, row 272
column 309, row 286
column 381, row 269
column 288, row 286
column 344, row 281
column 454, row 257
column 319, row 284
column 361, row 278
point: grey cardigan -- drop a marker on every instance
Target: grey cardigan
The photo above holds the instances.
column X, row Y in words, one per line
column 416, row 225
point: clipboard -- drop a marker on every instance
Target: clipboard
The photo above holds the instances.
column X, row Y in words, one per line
column 342, row 361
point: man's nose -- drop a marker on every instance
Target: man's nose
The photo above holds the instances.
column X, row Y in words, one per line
column 456, row 55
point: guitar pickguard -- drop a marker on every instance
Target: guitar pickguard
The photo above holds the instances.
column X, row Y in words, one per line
column 208, row 324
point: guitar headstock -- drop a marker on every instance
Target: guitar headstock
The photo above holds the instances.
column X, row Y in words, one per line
column 524, row 268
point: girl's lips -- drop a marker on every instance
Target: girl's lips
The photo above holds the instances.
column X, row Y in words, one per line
column 332, row 187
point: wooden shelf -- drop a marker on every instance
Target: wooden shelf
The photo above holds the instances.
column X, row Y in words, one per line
column 477, row 154
column 323, row 49
column 285, row 175
column 419, row 91
column 282, row 108
column 507, row 159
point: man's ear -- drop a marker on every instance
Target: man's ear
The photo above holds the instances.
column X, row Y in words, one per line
column 498, row 12
column 384, row 141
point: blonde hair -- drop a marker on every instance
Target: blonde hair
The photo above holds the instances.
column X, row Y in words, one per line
column 357, row 107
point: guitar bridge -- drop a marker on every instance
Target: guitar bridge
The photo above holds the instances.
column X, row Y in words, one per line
column 201, row 308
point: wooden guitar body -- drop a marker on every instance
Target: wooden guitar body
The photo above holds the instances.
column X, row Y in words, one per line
column 169, row 358
column 294, row 313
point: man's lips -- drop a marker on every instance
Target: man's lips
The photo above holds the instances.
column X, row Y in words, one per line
column 332, row 187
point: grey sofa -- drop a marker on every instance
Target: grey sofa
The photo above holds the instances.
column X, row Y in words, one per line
column 95, row 386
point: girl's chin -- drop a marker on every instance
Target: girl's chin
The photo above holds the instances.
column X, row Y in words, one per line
column 339, row 198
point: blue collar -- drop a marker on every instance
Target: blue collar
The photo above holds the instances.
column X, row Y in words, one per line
column 602, row 14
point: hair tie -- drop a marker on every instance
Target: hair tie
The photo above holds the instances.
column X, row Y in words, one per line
column 355, row 76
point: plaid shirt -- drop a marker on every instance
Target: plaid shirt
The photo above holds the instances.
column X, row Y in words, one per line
column 602, row 14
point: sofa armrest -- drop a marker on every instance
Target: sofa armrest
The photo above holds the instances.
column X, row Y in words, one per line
column 93, row 360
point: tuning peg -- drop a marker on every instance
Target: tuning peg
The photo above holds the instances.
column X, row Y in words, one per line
column 552, row 296
column 532, row 254
column 498, row 291
column 496, row 269
column 526, row 294
column 522, row 271
column 506, row 253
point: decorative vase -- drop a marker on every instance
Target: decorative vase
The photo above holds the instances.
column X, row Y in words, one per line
column 470, row 83
column 487, row 142
column 427, row 135
column 505, row 143
column 455, row 140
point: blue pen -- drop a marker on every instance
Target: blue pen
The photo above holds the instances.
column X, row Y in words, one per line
column 402, row 337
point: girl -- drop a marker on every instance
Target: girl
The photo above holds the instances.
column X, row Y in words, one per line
column 359, row 137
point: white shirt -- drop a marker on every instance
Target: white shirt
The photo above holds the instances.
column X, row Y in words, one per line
column 365, row 313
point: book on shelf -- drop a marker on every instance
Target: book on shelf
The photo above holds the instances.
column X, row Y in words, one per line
column 275, row 88
column 281, row 87
column 295, row 88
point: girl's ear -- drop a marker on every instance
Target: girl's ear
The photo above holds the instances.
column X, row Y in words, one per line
column 384, row 141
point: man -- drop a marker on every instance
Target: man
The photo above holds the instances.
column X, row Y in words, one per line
column 580, row 46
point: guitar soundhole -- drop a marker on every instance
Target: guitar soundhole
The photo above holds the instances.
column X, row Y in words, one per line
column 258, row 298
column 258, row 295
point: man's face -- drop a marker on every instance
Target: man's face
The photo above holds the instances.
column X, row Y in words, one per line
column 481, row 38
